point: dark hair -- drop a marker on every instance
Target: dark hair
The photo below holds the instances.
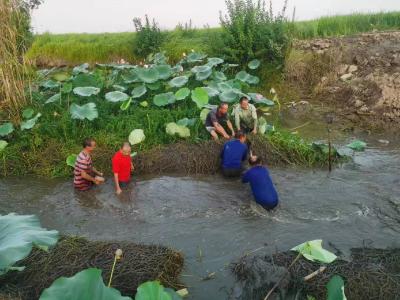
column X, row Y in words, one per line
column 87, row 142
column 222, row 104
column 239, row 134
column 242, row 99
column 254, row 161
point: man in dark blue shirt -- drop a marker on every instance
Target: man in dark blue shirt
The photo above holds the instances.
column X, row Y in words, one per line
column 233, row 155
column 261, row 184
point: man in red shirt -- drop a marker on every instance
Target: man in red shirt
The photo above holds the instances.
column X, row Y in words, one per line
column 122, row 167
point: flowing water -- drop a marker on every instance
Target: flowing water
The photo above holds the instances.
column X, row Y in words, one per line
column 213, row 221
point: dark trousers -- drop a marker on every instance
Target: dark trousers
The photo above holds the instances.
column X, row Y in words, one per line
column 231, row 173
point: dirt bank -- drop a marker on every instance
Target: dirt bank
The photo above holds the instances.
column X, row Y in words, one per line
column 356, row 77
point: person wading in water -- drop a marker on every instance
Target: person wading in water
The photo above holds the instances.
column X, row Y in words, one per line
column 122, row 167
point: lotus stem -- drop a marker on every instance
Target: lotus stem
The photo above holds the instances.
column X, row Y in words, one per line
column 118, row 255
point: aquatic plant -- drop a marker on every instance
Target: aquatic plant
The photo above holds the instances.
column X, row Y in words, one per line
column 136, row 136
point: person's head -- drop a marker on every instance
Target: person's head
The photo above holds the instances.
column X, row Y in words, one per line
column 255, row 161
column 241, row 136
column 89, row 144
column 223, row 108
column 244, row 102
column 126, row 148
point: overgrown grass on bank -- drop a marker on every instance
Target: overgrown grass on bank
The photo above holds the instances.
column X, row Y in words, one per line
column 72, row 49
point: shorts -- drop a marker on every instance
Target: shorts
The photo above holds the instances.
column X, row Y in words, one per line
column 210, row 128
column 124, row 184
column 231, row 173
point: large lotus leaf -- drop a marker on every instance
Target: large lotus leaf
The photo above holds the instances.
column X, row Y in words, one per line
column 211, row 92
column 224, row 87
column 335, row 288
column 234, row 83
column 159, row 58
column 154, row 86
column 229, row 96
column 173, row 129
column 18, row 234
column 164, row 71
column 164, row 99
column 81, row 69
column 242, row 76
column 195, row 57
column 6, row 129
column 182, row 93
column 66, row 88
column 198, row 69
column 125, row 105
column 116, row 96
column 147, row 75
column 136, row 136
column 28, row 124
column 83, row 80
column 54, row 98
column 84, row 285
column 86, row 91
column 312, row 250
column 253, row 79
column 152, row 290
column 214, row 61
column 203, row 114
column 3, row 145
column 186, row 122
column 254, row 64
column 71, row 159
column 178, row 81
column 50, row 84
column 260, row 99
column 357, row 145
column 262, row 125
column 120, row 88
column 139, row 91
column 27, row 113
column 87, row 111
column 61, row 76
column 200, row 96
column 130, row 77
column 219, row 76
column 200, row 76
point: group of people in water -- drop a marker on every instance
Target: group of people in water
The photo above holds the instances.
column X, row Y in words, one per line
column 233, row 156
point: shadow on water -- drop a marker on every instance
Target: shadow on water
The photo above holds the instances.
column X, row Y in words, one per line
column 214, row 221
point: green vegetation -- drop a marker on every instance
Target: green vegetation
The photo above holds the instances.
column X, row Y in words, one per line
column 72, row 49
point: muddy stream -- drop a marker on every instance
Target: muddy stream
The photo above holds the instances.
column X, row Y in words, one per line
column 213, row 221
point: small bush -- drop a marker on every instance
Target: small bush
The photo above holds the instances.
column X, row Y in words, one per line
column 148, row 39
column 250, row 30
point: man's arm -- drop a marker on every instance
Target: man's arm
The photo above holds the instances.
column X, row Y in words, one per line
column 97, row 172
column 230, row 127
column 116, row 181
column 254, row 115
column 237, row 118
column 88, row 177
column 220, row 130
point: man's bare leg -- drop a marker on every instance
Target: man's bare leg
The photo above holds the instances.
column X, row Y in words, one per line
column 214, row 135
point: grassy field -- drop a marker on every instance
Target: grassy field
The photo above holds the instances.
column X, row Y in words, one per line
column 72, row 49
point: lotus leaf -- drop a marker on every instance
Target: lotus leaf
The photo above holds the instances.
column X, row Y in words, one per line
column 147, row 75
column 86, row 284
column 335, row 288
column 86, row 91
column 61, row 76
column 200, row 69
column 186, row 122
column 253, row 79
column 87, row 111
column 50, row 84
column 203, row 114
column 173, row 128
column 242, row 76
column 3, row 145
column 260, row 99
column 81, row 69
column 182, row 93
column 200, row 76
column 254, row 64
column 125, row 105
column 152, row 290
column 144, row 104
column 28, row 124
column 71, row 159
column 200, row 96
column 154, row 86
column 164, row 99
column 219, row 76
column 357, row 145
column 28, row 113
column 18, row 234
column 228, row 96
column 130, row 77
column 211, row 92
column 179, row 81
column 313, row 251
column 195, row 57
column 66, row 88
column 164, row 71
column 54, row 98
column 116, row 96
column 214, row 61
column 139, row 91
column 136, row 136
column 262, row 125
column 6, row 129
column 224, row 87
column 83, row 80
column 120, row 88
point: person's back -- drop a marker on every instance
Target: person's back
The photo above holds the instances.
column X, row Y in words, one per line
column 83, row 163
column 261, row 185
column 233, row 155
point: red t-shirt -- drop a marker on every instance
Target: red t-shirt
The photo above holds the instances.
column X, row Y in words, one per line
column 121, row 164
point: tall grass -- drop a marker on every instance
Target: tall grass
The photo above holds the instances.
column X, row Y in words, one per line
column 13, row 69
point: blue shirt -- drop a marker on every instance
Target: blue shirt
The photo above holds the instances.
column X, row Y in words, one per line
column 261, row 184
column 233, row 154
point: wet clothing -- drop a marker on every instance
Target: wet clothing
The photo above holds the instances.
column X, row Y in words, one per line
column 214, row 116
column 83, row 163
column 122, row 165
column 231, row 173
column 233, row 154
column 262, row 187
column 245, row 119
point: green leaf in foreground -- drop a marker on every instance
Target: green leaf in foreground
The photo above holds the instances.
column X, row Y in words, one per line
column 175, row 129
column 30, row 123
column 178, row 81
column 152, row 290
column 182, row 93
column 164, row 99
column 54, row 98
column 312, row 250
column 203, row 114
column 116, row 96
column 335, row 288
column 139, row 91
column 254, row 64
column 87, row 284
column 357, row 145
column 86, row 91
column 71, row 159
column 61, row 76
column 87, row 111
column 149, row 75
column 81, row 69
column 18, row 234
column 136, row 136
column 28, row 113
column 6, row 129
column 186, row 122
column 125, row 105
column 3, row 145
column 200, row 96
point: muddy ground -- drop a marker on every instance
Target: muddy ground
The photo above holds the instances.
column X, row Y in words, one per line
column 356, row 79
